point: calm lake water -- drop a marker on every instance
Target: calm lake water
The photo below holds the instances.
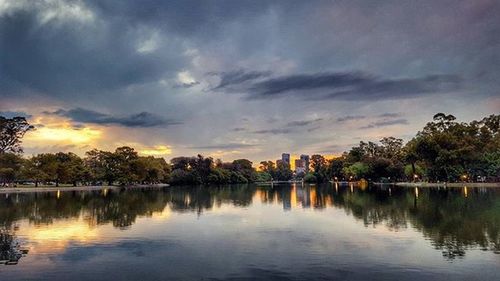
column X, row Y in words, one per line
column 283, row 232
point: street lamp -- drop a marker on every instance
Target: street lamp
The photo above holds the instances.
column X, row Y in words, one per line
column 464, row 177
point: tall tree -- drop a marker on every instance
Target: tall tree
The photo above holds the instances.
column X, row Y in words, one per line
column 12, row 130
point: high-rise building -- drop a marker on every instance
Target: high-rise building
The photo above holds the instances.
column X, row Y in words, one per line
column 285, row 157
column 300, row 166
column 305, row 158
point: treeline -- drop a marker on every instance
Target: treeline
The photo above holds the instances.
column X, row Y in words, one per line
column 201, row 170
column 123, row 166
column 445, row 150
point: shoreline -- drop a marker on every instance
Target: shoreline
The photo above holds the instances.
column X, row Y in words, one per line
column 453, row 184
column 5, row 190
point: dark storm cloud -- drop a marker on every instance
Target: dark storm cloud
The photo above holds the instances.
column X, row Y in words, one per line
column 303, row 82
column 143, row 119
column 350, row 117
column 385, row 123
column 274, row 131
column 399, row 88
column 355, row 86
column 225, row 146
column 185, row 17
column 67, row 58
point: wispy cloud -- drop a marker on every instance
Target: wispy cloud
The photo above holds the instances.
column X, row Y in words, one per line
column 390, row 115
column 225, row 146
column 385, row 123
column 274, row 131
column 237, row 77
column 302, row 123
column 350, row 117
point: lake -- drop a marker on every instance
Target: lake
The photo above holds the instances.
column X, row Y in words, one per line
column 253, row 232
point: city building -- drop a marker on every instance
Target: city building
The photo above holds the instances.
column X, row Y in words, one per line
column 300, row 166
column 285, row 157
column 305, row 158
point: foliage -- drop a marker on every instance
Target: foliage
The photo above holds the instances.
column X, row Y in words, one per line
column 201, row 170
column 10, row 165
column 311, row 178
column 448, row 149
column 12, row 131
column 263, row 176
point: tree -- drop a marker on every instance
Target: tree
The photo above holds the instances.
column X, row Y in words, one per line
column 10, row 166
column 263, row 176
column 70, row 168
column 447, row 150
column 319, row 166
column 245, row 168
column 357, row 170
column 32, row 170
column 310, row 178
column 11, row 132
column 46, row 164
column 283, row 172
column 335, row 167
column 267, row 166
column 103, row 165
column 122, row 159
column 412, row 170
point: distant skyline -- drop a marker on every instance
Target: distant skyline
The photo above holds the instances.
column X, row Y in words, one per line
column 243, row 79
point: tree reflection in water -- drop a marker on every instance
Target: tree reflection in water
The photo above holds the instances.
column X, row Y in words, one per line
column 453, row 220
column 10, row 249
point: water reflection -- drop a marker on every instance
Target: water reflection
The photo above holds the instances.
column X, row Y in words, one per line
column 11, row 250
column 454, row 220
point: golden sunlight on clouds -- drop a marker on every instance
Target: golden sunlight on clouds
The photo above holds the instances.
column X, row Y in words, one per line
column 221, row 153
column 61, row 131
column 66, row 135
column 158, row 150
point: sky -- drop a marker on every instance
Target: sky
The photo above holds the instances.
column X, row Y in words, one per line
column 243, row 79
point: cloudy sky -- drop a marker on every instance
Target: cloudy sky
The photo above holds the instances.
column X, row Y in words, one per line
column 252, row 79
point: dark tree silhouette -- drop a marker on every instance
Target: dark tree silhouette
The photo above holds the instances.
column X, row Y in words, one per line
column 11, row 132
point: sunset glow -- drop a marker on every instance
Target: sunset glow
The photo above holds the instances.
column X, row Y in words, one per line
column 64, row 135
column 160, row 150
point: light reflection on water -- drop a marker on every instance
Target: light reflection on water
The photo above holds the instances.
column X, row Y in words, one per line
column 279, row 232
